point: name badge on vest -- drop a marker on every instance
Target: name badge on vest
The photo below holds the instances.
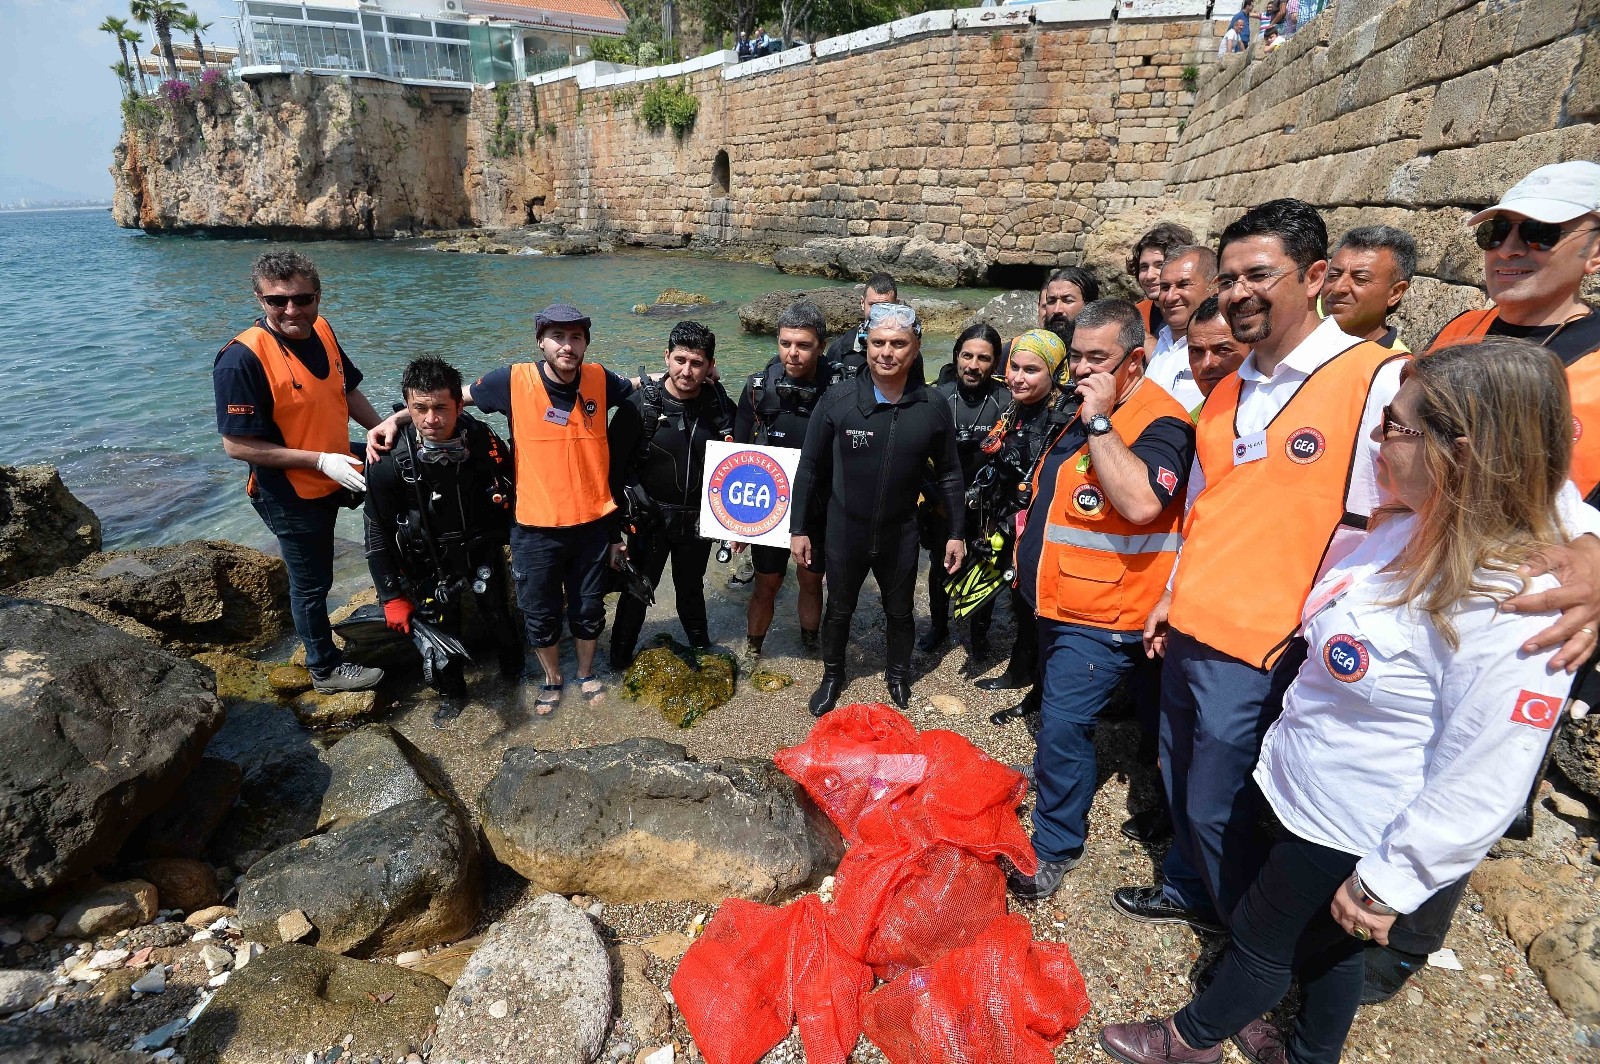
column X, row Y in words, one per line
column 556, row 417
column 1327, row 598
column 1251, row 448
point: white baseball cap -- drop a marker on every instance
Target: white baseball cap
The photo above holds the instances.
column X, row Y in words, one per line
column 1557, row 193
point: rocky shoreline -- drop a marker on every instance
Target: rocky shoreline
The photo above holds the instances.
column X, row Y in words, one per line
column 194, row 872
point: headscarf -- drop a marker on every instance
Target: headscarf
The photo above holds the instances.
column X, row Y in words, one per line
column 1044, row 344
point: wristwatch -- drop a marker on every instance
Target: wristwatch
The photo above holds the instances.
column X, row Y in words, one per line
column 1368, row 900
column 1099, row 425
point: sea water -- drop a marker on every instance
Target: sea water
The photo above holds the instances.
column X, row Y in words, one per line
column 107, row 337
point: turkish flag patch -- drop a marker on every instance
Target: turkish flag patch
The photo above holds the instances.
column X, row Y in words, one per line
column 1536, row 711
column 1167, row 479
column 241, row 408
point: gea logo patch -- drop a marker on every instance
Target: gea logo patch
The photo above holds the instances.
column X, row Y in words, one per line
column 1088, row 501
column 1305, row 446
column 1345, row 658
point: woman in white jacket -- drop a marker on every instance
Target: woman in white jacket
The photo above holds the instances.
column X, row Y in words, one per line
column 1413, row 732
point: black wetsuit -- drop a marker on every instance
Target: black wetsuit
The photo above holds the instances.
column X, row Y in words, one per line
column 974, row 412
column 432, row 527
column 665, row 478
column 869, row 459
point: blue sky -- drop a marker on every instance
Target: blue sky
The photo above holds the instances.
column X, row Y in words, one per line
column 59, row 102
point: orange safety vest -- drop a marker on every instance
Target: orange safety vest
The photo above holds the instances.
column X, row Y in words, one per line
column 1096, row 567
column 563, row 465
column 1256, row 537
column 1583, row 385
column 310, row 411
column 1147, row 312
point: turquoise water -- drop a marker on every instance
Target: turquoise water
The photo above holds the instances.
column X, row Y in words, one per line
column 107, row 337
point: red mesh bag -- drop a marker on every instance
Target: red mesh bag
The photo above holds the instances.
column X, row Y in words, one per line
column 899, row 908
column 757, row 971
column 856, row 755
column 1002, row 1000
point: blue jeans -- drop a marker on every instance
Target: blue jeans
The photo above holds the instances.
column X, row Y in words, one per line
column 304, row 529
column 1215, row 710
column 1282, row 929
column 550, row 565
column 1080, row 669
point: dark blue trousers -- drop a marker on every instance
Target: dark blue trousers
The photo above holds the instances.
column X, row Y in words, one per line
column 1080, row 668
column 555, row 565
column 1215, row 710
column 304, row 530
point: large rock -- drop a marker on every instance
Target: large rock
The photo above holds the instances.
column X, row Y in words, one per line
column 283, row 776
column 1110, row 243
column 1009, row 313
column 98, row 730
column 21, row 990
column 912, row 260
column 1568, row 957
column 538, row 989
column 189, row 597
column 43, row 526
column 401, row 879
column 185, row 825
column 108, row 909
column 373, row 769
column 295, row 1000
column 1577, row 753
column 639, row 820
column 181, row 882
column 842, row 309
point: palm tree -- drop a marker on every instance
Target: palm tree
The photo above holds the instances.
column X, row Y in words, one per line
column 135, row 38
column 124, row 75
column 117, row 27
column 190, row 23
column 159, row 14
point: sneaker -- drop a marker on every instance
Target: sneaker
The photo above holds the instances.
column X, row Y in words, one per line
column 1153, row 1042
column 1152, row 825
column 1262, row 1043
column 1149, row 905
column 347, row 676
column 449, row 709
column 932, row 640
column 1043, row 883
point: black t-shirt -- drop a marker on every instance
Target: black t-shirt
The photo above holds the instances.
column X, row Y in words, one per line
column 491, row 392
column 1165, row 447
column 1569, row 342
column 244, row 396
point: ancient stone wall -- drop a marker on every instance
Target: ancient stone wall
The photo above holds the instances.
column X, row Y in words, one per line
column 1413, row 114
column 1016, row 140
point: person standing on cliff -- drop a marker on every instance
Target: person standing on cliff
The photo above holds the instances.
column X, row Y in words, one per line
column 285, row 395
column 565, row 531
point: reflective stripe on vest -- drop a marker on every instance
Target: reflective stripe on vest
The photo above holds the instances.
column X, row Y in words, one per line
column 1256, row 537
column 563, row 470
column 1583, row 384
column 311, row 412
column 1096, row 568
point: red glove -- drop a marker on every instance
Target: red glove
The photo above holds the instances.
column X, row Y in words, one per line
column 397, row 612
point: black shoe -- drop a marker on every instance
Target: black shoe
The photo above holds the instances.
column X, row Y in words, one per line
column 827, row 693
column 932, row 639
column 1006, row 681
column 810, row 640
column 698, row 640
column 899, row 691
column 1149, row 905
column 1387, row 971
column 1152, row 825
column 1029, row 704
column 620, row 659
column 1043, row 883
column 449, row 709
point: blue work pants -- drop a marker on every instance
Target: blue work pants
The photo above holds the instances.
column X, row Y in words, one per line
column 304, row 530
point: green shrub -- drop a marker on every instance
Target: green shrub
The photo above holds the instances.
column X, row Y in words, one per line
column 669, row 103
column 1191, row 78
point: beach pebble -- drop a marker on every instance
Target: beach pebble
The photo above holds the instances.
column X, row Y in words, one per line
column 411, row 958
column 10, row 937
column 108, row 958
column 208, row 916
column 21, row 990
column 247, row 952
column 293, row 926
column 499, row 1009
column 217, row 959
column 220, row 979
column 37, row 928
column 152, row 982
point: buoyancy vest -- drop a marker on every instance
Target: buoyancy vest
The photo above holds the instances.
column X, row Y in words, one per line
column 310, row 411
column 1255, row 539
column 1096, row 567
column 562, row 459
column 1583, row 385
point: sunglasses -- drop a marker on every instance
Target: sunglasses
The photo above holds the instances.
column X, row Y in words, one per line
column 1538, row 236
column 1391, row 427
column 299, row 299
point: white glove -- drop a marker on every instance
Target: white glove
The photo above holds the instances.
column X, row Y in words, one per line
column 343, row 470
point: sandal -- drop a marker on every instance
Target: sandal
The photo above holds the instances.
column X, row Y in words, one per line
column 549, row 698
column 584, row 681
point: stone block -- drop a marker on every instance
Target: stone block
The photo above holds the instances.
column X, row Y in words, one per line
column 1583, row 102
column 1476, row 176
column 1456, row 116
column 1529, row 90
column 1542, row 21
column 1410, row 17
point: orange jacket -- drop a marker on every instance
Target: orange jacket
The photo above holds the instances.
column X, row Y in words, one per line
column 311, row 412
column 1255, row 539
column 563, row 463
column 1583, row 383
column 1096, row 567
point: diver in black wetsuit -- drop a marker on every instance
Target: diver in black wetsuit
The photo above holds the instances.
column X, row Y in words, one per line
column 867, row 450
column 437, row 515
column 658, row 449
column 849, row 349
column 976, row 402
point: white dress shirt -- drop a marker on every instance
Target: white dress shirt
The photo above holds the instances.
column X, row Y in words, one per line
column 1168, row 366
column 1396, row 748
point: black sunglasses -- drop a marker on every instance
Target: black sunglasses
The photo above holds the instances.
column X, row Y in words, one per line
column 1539, row 236
column 299, row 299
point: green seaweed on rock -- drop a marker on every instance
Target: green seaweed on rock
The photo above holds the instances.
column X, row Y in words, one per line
column 683, row 683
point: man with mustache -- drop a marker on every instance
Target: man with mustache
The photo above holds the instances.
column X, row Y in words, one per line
column 1186, row 279
column 1368, row 275
column 1285, row 458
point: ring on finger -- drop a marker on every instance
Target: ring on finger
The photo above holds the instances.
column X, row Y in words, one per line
column 1361, row 933
column 1586, row 630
